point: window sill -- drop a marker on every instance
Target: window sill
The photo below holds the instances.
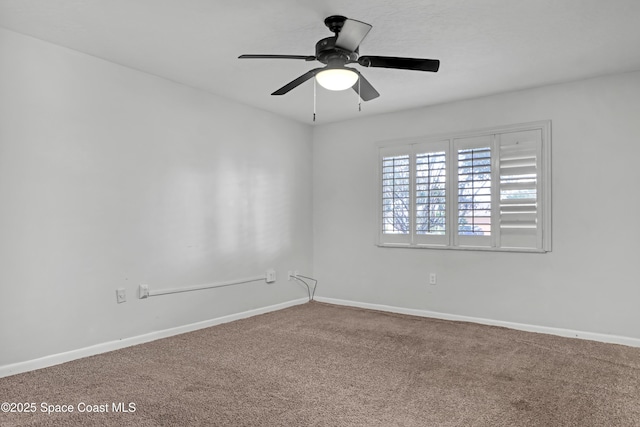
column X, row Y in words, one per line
column 460, row 248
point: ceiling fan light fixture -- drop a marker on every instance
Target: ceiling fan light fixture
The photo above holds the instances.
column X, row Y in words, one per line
column 337, row 78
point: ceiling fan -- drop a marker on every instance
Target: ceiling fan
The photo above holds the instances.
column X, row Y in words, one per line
column 341, row 49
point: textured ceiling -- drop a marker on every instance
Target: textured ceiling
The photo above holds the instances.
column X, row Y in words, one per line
column 485, row 46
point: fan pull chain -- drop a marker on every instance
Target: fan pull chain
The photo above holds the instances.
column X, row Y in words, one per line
column 359, row 97
column 314, row 99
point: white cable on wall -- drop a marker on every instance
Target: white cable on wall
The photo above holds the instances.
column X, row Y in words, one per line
column 145, row 292
column 300, row 278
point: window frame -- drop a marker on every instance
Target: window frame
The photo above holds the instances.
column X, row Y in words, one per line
column 451, row 143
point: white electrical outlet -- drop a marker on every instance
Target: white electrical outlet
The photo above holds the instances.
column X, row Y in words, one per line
column 432, row 279
column 121, row 295
column 271, row 276
column 143, row 291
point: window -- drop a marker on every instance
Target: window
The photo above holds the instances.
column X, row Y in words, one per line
column 480, row 190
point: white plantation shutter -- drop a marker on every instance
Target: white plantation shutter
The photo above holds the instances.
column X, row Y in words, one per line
column 430, row 187
column 487, row 190
column 520, row 177
column 430, row 193
column 474, row 191
column 396, row 196
column 474, row 196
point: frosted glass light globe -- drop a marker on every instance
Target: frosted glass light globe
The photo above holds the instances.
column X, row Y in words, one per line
column 337, row 78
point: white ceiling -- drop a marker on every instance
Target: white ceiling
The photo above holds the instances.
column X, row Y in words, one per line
column 485, row 46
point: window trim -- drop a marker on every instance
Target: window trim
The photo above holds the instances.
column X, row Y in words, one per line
column 412, row 146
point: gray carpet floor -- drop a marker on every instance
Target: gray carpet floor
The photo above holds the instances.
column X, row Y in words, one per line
column 323, row 365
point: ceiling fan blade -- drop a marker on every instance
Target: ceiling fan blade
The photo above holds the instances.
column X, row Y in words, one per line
column 297, row 82
column 418, row 64
column 306, row 58
column 352, row 34
column 365, row 89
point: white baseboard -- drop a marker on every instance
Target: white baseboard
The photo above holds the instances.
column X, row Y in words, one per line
column 56, row 359
column 611, row 339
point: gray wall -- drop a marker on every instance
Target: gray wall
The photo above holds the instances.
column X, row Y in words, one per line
column 587, row 283
column 111, row 178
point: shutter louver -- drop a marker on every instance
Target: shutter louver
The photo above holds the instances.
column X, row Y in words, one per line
column 396, row 197
column 474, row 191
column 431, row 212
column 519, row 190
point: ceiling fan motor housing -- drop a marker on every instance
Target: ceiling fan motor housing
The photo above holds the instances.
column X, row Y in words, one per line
column 326, row 51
